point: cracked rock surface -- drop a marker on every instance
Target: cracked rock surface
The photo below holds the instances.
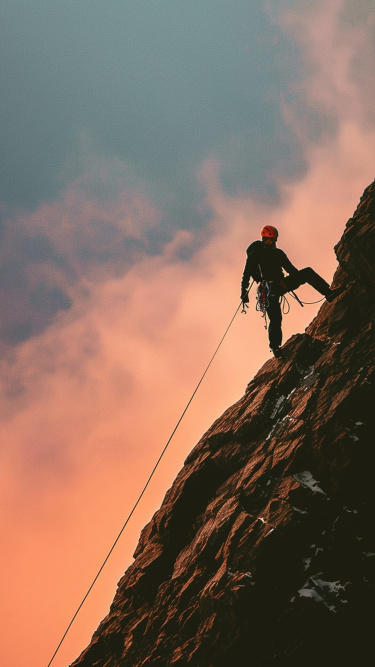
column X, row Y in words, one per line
column 263, row 551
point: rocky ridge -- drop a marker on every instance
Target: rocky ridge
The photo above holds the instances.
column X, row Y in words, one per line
column 263, row 551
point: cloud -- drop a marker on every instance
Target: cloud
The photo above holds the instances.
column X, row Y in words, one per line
column 337, row 44
column 96, row 230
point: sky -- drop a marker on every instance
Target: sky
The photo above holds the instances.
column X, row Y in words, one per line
column 143, row 147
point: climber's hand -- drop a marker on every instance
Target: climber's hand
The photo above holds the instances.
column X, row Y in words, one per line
column 245, row 297
column 244, row 301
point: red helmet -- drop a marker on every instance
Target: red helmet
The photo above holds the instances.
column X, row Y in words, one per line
column 269, row 232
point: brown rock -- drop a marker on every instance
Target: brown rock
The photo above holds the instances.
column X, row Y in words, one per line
column 263, row 551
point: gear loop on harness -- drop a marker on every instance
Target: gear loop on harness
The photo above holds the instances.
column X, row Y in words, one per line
column 262, row 299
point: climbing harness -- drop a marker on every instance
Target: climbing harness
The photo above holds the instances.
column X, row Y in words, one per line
column 146, row 484
column 262, row 302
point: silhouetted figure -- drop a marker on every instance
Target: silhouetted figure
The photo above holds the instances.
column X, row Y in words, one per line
column 266, row 263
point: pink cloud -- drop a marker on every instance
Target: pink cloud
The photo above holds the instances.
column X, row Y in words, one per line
column 336, row 40
column 97, row 228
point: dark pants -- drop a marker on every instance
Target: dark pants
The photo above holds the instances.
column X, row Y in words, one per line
column 289, row 284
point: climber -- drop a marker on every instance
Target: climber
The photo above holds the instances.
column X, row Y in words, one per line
column 265, row 263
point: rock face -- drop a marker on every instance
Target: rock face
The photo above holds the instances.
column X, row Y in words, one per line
column 263, row 551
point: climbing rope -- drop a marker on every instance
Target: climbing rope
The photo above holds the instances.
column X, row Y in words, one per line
column 309, row 303
column 285, row 305
column 145, row 486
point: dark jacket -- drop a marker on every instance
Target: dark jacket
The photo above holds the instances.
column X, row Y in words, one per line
column 265, row 262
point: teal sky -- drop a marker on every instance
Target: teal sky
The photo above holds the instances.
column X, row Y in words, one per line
column 161, row 85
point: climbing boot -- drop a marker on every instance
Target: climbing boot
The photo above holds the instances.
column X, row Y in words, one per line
column 333, row 293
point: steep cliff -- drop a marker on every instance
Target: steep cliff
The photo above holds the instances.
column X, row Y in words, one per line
column 263, row 551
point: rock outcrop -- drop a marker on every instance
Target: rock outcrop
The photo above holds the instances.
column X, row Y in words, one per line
column 263, row 551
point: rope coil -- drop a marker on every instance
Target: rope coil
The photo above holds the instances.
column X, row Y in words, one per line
column 262, row 299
